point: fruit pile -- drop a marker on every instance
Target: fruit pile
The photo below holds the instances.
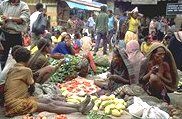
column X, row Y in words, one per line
column 110, row 105
column 42, row 116
column 78, row 86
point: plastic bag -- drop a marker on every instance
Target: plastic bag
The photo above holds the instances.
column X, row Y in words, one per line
column 154, row 113
column 9, row 64
column 39, row 25
column 138, row 107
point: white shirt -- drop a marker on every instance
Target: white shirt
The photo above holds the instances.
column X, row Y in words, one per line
column 33, row 18
column 91, row 22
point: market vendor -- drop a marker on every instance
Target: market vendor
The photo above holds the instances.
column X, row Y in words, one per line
column 159, row 73
column 121, row 71
column 19, row 86
column 39, row 62
column 136, row 57
column 64, row 47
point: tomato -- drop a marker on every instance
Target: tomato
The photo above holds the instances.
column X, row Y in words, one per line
column 77, row 89
column 91, row 89
column 62, row 116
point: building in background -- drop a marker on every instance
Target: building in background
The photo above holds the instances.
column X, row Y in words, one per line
column 50, row 8
column 78, row 8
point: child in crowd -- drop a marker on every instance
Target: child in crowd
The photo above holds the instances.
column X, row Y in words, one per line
column 19, row 86
column 10, row 63
column 77, row 43
column 86, row 42
column 56, row 38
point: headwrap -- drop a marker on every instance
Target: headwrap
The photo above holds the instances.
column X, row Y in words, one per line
column 170, row 60
column 135, row 57
column 128, row 65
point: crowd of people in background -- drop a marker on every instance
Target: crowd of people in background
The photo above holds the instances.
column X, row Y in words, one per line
column 136, row 41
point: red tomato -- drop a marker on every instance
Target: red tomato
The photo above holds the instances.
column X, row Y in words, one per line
column 78, row 89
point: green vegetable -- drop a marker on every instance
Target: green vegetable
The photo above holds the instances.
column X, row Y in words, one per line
column 96, row 115
column 101, row 61
column 66, row 71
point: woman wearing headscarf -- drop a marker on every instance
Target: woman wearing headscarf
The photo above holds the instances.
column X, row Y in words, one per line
column 135, row 57
column 121, row 71
column 159, row 73
column 133, row 24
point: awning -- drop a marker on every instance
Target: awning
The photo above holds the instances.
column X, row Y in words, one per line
column 75, row 5
column 84, row 5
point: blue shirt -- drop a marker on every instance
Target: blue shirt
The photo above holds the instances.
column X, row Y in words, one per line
column 61, row 48
column 111, row 23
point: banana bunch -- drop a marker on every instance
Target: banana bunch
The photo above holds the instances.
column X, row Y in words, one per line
column 110, row 105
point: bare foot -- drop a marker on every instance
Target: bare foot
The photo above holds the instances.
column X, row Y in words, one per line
column 88, row 108
column 84, row 104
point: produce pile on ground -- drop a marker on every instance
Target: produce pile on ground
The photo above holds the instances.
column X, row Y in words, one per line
column 110, row 105
column 66, row 70
column 106, row 105
column 70, row 69
column 78, row 86
column 42, row 116
column 102, row 63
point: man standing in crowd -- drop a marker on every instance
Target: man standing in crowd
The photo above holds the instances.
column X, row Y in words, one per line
column 101, row 29
column 91, row 25
column 111, row 27
column 15, row 14
column 33, row 18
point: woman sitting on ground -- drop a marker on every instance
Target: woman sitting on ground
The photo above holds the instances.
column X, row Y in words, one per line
column 64, row 47
column 121, row 71
column 159, row 73
column 135, row 57
column 19, row 86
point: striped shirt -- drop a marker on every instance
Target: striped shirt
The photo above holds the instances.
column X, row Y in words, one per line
column 20, row 10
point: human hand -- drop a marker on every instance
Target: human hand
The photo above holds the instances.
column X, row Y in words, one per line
column 155, row 69
column 5, row 18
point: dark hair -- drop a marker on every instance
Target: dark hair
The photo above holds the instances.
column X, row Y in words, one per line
column 22, row 55
column 103, row 8
column 116, row 51
column 110, row 11
column 77, row 36
column 39, row 6
column 14, row 49
column 42, row 44
column 57, row 32
column 64, row 29
column 48, row 37
column 146, row 38
column 124, row 14
column 65, row 36
column 85, row 34
column 154, row 37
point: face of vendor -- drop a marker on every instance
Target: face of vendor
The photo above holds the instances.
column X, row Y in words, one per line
column 159, row 55
column 68, row 40
column 49, row 48
column 117, row 59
